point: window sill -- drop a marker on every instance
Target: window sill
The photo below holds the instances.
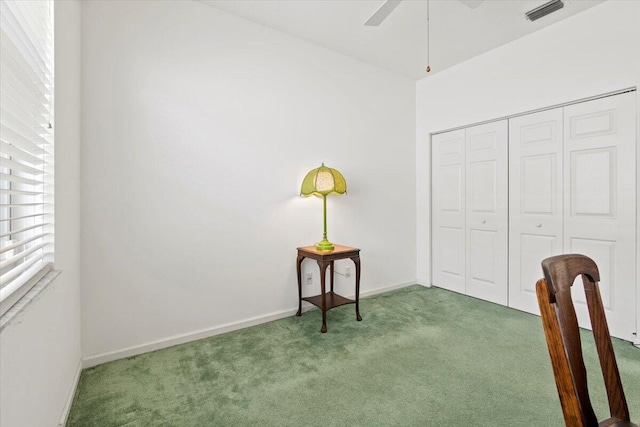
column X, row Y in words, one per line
column 34, row 293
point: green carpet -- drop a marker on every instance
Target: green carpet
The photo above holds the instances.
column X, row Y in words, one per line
column 420, row 357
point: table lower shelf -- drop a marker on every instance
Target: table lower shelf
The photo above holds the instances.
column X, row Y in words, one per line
column 331, row 300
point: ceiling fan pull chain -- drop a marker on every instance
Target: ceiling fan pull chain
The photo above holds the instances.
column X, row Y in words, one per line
column 428, row 39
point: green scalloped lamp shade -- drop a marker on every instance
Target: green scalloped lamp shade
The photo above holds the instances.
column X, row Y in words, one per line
column 321, row 182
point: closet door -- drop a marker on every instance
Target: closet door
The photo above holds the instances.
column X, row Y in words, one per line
column 448, row 180
column 486, row 213
column 600, row 205
column 535, row 201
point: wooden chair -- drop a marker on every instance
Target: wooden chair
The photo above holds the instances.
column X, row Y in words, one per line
column 563, row 339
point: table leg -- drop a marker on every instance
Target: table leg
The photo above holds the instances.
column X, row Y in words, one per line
column 356, row 261
column 331, row 274
column 323, row 272
column 298, row 267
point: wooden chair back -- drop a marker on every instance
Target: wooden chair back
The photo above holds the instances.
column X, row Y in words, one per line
column 563, row 339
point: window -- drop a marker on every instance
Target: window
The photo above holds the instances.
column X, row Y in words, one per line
column 26, row 146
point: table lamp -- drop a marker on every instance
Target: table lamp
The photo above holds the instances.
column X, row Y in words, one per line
column 321, row 182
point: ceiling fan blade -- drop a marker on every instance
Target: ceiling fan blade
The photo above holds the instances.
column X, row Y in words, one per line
column 471, row 3
column 382, row 13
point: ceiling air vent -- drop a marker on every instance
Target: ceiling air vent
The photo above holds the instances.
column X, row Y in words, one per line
column 544, row 10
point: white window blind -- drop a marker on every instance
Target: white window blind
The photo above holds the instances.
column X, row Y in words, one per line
column 26, row 146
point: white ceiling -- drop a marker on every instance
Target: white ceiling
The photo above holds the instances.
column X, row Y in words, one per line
column 458, row 32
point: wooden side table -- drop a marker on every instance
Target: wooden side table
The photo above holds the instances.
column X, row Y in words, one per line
column 326, row 301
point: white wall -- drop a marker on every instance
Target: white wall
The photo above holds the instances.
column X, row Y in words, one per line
column 198, row 129
column 40, row 348
column 592, row 53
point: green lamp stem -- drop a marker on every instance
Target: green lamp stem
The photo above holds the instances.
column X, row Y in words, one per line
column 324, row 245
column 324, row 214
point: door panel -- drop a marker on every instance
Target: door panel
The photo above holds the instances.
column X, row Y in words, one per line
column 603, row 252
column 486, row 215
column 451, row 246
column 533, row 248
column 451, row 187
column 448, row 180
column 482, row 244
column 592, row 179
column 535, row 201
column 539, row 183
column 482, row 177
column 600, row 200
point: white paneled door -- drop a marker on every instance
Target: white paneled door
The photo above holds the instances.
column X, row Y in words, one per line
column 486, row 211
column 600, row 204
column 535, row 201
column 448, row 198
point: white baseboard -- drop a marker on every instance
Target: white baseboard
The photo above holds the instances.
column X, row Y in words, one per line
column 184, row 338
column 382, row 290
column 99, row 359
column 72, row 393
column 424, row 283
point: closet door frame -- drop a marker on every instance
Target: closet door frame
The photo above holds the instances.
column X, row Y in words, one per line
column 636, row 335
column 636, row 341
